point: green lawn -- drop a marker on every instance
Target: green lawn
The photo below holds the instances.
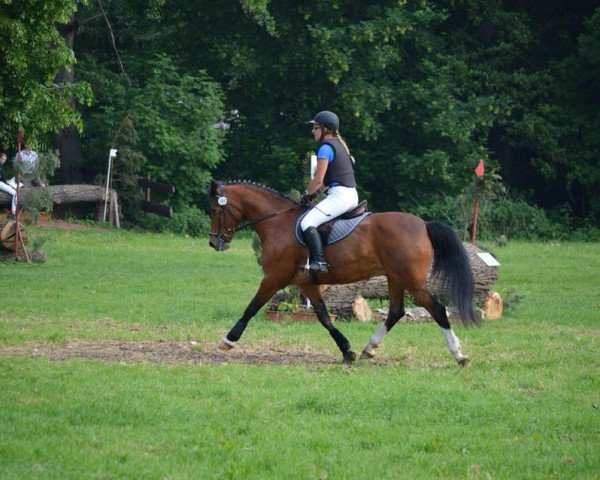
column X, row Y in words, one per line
column 528, row 405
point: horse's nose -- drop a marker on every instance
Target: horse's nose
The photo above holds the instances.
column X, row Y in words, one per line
column 219, row 245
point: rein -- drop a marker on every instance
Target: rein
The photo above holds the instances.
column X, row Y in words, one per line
column 247, row 224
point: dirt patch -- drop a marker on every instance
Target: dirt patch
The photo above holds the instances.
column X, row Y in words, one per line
column 175, row 353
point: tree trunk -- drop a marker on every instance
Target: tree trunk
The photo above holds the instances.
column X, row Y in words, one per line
column 67, row 140
column 71, row 194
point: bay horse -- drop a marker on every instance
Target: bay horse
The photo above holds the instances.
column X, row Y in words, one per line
column 398, row 245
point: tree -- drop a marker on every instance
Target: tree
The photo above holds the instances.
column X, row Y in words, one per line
column 31, row 53
column 161, row 121
column 423, row 88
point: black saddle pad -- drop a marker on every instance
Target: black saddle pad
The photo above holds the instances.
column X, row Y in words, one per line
column 332, row 231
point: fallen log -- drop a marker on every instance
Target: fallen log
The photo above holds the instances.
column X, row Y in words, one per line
column 341, row 298
column 77, row 194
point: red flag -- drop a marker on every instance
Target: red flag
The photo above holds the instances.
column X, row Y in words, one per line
column 479, row 169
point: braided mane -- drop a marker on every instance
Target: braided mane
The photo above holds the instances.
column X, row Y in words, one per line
column 258, row 185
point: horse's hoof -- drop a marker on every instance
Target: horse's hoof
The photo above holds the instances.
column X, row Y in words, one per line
column 349, row 357
column 225, row 346
column 366, row 355
column 463, row 361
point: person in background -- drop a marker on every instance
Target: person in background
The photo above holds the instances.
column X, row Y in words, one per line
column 335, row 175
column 26, row 162
column 5, row 187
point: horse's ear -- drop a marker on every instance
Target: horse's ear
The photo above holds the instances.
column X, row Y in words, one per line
column 213, row 189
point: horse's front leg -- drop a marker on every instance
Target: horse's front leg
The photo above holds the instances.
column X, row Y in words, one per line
column 314, row 295
column 267, row 289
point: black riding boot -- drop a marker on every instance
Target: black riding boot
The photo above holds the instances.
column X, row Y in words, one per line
column 315, row 248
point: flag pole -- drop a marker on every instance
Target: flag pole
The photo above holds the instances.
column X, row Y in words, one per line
column 479, row 169
column 18, row 178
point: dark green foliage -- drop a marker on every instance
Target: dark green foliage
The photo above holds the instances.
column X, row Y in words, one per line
column 34, row 201
column 46, row 165
column 424, row 89
column 31, row 52
column 516, row 219
column 162, row 123
column 188, row 221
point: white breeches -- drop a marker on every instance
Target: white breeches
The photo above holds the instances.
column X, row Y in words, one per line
column 338, row 201
column 11, row 191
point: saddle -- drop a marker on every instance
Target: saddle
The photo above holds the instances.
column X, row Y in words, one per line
column 338, row 228
column 355, row 212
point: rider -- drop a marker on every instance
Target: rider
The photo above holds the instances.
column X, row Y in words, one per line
column 335, row 175
column 4, row 185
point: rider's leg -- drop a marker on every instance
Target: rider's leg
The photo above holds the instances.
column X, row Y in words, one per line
column 338, row 201
column 4, row 187
column 315, row 249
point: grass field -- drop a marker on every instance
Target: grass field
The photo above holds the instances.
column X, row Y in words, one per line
column 528, row 405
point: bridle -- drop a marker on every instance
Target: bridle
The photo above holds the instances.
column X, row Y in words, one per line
column 224, row 211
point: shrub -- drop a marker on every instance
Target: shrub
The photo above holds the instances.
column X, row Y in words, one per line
column 499, row 216
column 190, row 221
column 587, row 233
column 34, row 201
column 516, row 219
column 47, row 164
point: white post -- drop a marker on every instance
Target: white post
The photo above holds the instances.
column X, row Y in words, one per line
column 111, row 155
column 313, row 166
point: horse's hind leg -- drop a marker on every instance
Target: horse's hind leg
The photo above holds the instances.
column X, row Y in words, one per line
column 438, row 312
column 396, row 312
column 314, row 295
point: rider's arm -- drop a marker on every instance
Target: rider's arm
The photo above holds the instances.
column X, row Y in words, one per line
column 317, row 182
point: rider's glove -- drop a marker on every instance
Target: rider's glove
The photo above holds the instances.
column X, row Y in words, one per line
column 307, row 198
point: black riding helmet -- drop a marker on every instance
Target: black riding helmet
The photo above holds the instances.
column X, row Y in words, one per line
column 328, row 119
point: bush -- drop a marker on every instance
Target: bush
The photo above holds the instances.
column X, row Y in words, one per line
column 455, row 211
column 587, row 233
column 516, row 219
column 47, row 164
column 190, row 221
column 34, row 201
column 500, row 216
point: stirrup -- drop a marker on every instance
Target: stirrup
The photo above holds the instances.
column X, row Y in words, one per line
column 319, row 266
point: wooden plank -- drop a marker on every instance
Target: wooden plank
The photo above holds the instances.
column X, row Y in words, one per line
column 156, row 186
column 157, row 208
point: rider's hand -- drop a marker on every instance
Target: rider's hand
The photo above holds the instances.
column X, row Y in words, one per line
column 307, row 198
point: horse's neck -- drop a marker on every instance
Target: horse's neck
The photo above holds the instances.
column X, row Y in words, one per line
column 264, row 204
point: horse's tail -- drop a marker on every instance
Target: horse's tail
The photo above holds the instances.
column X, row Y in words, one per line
column 451, row 265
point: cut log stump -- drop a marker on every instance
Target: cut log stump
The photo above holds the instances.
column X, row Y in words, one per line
column 361, row 310
column 8, row 235
column 493, row 306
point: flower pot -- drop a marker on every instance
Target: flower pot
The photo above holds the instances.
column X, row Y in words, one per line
column 298, row 316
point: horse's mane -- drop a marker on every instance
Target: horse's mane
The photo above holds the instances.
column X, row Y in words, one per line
column 258, row 185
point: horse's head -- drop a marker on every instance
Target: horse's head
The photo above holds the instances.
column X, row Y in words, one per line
column 244, row 200
column 223, row 218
